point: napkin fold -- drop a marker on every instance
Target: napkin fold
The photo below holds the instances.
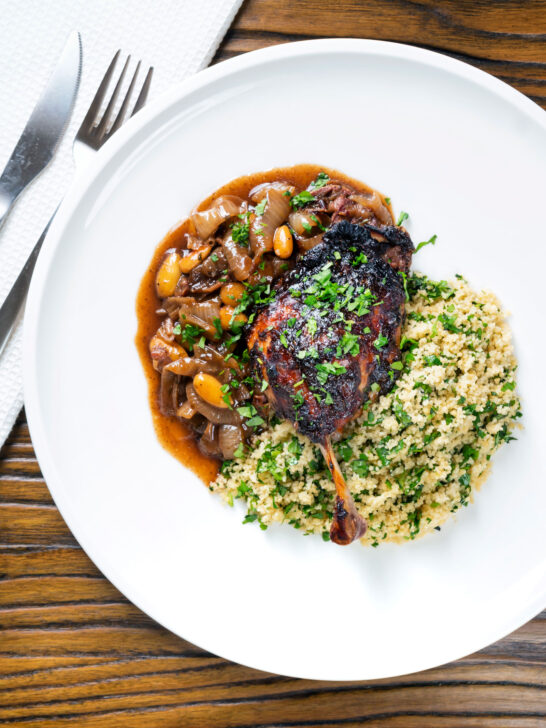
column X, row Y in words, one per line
column 176, row 37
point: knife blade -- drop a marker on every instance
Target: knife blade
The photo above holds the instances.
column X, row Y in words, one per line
column 43, row 131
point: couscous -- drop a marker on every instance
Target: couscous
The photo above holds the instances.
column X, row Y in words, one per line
column 417, row 454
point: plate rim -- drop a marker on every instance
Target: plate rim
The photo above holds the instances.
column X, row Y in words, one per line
column 38, row 290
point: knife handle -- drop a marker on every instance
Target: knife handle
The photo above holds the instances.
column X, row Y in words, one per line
column 13, row 305
column 12, row 182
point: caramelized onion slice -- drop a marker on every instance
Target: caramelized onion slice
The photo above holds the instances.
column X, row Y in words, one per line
column 163, row 352
column 375, row 204
column 216, row 415
column 262, row 228
column 306, row 223
column 215, row 264
column 189, row 366
column 208, row 444
column 206, row 222
column 239, row 262
column 258, row 193
column 200, row 313
column 215, row 360
column 186, row 411
column 168, row 381
column 229, row 439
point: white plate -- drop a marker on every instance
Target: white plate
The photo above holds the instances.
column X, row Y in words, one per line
column 465, row 155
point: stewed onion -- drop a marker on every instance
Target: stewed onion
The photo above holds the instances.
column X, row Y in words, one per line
column 206, row 222
column 216, row 415
column 240, row 264
column 262, row 228
column 229, row 439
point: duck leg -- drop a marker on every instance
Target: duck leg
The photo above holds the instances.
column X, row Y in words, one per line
column 348, row 524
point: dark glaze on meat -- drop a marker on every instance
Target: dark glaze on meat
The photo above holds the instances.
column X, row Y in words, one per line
column 326, row 343
column 283, row 351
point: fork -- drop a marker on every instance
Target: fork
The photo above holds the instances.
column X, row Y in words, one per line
column 94, row 131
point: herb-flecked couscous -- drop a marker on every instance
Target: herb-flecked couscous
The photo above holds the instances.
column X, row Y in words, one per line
column 414, row 456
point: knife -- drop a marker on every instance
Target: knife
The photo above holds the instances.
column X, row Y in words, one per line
column 37, row 143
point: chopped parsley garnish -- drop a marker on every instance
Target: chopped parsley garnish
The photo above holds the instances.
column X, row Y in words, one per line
column 430, row 437
column 321, row 179
column 218, row 327
column 382, row 454
column 327, row 368
column 448, row 322
column 295, row 447
column 361, row 466
column 402, row 218
column 190, row 334
column 320, row 226
column 324, row 274
column 312, row 327
column 298, row 400
column 260, row 207
column 348, row 345
column 432, row 360
column 239, row 451
column 302, row 199
column 243, row 489
column 431, row 290
column 240, row 232
column 250, row 413
column 344, row 451
column 431, row 241
column 380, row 342
column 405, row 281
column 400, row 413
column 360, row 258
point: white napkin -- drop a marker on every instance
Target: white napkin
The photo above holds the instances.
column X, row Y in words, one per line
column 177, row 37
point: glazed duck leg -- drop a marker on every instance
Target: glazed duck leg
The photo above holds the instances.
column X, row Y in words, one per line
column 325, row 342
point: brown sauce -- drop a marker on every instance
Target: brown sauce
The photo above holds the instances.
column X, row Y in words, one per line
column 176, row 437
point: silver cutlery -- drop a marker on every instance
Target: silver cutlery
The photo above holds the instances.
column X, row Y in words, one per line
column 94, row 131
column 45, row 127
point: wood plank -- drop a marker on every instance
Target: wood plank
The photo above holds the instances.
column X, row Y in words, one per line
column 33, row 524
column 230, row 706
column 41, row 560
column 478, row 29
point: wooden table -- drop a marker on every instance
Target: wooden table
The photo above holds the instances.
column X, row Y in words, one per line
column 74, row 652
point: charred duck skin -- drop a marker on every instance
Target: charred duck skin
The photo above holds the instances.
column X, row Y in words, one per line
column 328, row 340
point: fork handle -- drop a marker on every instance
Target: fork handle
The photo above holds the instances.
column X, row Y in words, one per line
column 12, row 306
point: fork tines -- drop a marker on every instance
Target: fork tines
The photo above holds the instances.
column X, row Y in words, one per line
column 95, row 130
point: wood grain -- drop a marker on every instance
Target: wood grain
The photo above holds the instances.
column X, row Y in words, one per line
column 74, row 652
